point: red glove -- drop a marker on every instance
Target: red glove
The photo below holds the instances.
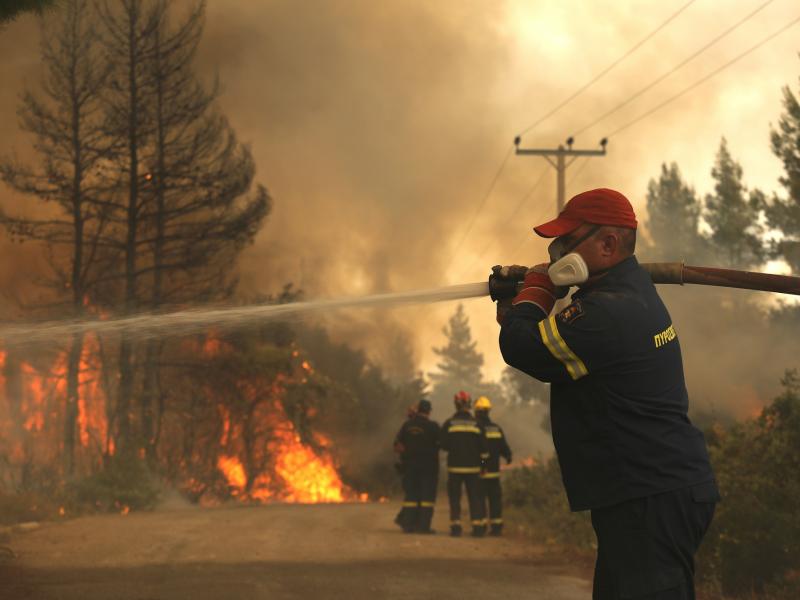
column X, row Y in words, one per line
column 537, row 289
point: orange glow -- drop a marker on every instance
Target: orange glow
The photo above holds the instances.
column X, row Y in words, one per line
column 234, row 472
column 299, row 472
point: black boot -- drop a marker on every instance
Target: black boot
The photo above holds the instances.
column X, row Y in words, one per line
column 497, row 529
column 479, row 531
column 455, row 530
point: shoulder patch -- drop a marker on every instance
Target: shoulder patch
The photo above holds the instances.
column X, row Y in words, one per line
column 573, row 312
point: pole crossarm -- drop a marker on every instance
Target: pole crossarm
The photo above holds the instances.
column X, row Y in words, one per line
column 560, row 163
column 559, row 151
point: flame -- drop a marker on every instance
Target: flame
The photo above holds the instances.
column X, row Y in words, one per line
column 279, row 463
column 300, row 473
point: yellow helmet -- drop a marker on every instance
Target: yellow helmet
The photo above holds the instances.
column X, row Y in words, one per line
column 483, row 403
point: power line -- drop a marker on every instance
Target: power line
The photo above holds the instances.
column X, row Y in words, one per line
column 578, row 172
column 528, row 237
column 480, row 206
column 519, row 206
column 599, row 76
column 662, row 77
column 529, row 234
column 706, row 78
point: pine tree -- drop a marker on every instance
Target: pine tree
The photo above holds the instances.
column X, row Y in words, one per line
column 65, row 121
column 673, row 211
column 460, row 362
column 784, row 214
column 733, row 214
column 11, row 9
column 197, row 214
column 520, row 389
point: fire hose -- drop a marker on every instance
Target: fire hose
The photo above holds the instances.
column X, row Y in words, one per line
column 680, row 274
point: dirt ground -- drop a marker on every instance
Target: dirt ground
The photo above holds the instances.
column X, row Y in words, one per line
column 279, row 552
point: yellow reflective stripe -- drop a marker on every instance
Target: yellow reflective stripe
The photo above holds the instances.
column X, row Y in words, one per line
column 493, row 435
column 496, row 521
column 427, row 504
column 485, row 455
column 462, row 429
column 463, row 469
column 410, row 504
column 479, row 522
column 559, row 349
column 490, row 475
column 458, row 522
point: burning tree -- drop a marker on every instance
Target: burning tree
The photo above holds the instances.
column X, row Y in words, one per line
column 152, row 196
column 66, row 122
column 182, row 210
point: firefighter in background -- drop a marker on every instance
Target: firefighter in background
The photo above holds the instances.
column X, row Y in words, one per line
column 490, row 478
column 400, row 466
column 466, row 451
column 418, row 445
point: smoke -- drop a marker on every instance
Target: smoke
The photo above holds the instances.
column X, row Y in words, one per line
column 377, row 128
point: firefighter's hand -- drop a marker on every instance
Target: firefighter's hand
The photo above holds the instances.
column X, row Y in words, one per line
column 510, row 272
column 538, row 289
column 503, row 306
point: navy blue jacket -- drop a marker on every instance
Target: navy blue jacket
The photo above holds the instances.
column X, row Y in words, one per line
column 462, row 439
column 618, row 400
column 496, row 444
column 419, row 437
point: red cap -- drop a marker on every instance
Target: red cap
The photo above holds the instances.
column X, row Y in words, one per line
column 599, row 207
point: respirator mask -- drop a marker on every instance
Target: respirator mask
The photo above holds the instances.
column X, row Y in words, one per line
column 567, row 268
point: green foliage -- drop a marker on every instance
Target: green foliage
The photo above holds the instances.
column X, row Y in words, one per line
column 754, row 542
column 784, row 214
column 673, row 217
column 460, row 362
column 733, row 214
column 11, row 9
column 540, row 506
column 521, row 389
column 125, row 481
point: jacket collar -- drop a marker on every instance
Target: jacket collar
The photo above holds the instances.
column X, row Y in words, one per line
column 619, row 271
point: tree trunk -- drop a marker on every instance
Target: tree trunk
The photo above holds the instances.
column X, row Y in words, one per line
column 126, row 348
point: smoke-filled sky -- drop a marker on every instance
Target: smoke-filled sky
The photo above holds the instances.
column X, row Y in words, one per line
column 378, row 126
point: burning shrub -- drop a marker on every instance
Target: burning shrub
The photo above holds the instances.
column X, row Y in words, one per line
column 754, row 542
column 125, row 483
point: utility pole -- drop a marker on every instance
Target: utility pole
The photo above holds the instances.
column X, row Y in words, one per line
column 560, row 164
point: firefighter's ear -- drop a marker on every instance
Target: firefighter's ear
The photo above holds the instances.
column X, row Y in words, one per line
column 609, row 243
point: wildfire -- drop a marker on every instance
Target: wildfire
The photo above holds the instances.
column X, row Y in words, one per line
column 262, row 454
column 300, row 473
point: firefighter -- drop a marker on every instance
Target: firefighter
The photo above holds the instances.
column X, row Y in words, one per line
column 418, row 444
column 497, row 445
column 400, row 466
column 466, row 454
column 618, row 408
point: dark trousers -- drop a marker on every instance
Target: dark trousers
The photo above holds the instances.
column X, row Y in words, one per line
column 471, row 482
column 492, row 494
column 646, row 546
column 419, row 488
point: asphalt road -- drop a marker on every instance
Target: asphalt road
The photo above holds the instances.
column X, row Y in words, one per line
column 281, row 552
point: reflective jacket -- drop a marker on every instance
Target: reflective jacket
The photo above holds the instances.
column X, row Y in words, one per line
column 497, row 446
column 465, row 446
column 419, row 439
column 618, row 406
